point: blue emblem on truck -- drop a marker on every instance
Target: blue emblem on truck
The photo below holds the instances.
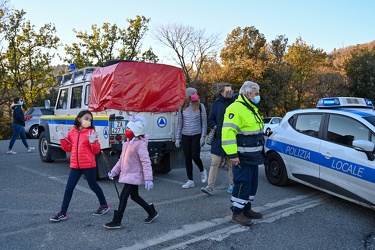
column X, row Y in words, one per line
column 162, row 122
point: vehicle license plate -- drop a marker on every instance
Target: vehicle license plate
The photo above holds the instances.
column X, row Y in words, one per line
column 118, row 127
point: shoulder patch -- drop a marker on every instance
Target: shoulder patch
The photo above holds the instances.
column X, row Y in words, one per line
column 231, row 115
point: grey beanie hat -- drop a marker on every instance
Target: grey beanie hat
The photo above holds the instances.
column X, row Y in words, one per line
column 189, row 92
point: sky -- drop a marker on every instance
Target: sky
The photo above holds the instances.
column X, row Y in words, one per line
column 324, row 24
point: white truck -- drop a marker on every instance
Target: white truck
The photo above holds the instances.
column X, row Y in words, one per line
column 113, row 93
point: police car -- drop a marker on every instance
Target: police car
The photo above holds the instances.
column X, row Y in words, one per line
column 330, row 148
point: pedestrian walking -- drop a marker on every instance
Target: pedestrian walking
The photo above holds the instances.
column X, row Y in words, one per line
column 218, row 155
column 134, row 168
column 243, row 142
column 82, row 143
column 18, row 126
column 191, row 134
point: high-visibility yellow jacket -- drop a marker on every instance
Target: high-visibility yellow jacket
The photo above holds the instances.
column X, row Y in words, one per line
column 242, row 131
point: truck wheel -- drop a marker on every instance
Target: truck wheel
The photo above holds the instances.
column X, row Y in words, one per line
column 45, row 151
column 164, row 166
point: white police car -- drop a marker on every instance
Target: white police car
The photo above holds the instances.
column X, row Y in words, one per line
column 330, row 148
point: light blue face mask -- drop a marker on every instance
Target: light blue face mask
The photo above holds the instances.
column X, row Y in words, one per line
column 21, row 103
column 256, row 99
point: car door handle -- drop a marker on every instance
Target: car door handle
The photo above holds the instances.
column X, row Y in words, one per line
column 327, row 155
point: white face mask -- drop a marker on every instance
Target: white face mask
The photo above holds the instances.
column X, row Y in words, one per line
column 86, row 123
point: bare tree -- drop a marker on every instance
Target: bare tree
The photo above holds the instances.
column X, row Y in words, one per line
column 192, row 47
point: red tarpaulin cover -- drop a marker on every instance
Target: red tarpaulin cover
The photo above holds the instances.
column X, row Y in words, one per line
column 137, row 86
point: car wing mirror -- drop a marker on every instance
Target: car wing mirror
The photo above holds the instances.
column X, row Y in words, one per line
column 365, row 146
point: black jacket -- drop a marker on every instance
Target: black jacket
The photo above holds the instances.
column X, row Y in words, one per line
column 18, row 116
column 216, row 118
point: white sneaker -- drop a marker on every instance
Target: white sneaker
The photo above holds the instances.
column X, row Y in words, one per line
column 31, row 149
column 204, row 176
column 188, row 184
column 11, row 152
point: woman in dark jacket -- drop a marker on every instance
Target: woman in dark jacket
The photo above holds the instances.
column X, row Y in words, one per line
column 18, row 126
column 218, row 156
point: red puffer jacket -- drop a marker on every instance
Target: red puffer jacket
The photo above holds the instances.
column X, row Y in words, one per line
column 82, row 152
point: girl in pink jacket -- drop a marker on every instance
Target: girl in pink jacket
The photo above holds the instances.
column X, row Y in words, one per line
column 134, row 168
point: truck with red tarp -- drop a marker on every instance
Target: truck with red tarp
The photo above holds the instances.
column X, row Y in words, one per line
column 113, row 94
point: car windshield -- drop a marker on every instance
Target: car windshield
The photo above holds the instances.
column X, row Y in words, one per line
column 266, row 120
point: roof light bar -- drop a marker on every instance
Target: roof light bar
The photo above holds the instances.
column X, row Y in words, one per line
column 342, row 102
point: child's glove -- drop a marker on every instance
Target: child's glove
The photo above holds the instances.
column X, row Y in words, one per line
column 177, row 143
column 111, row 174
column 93, row 137
column 149, row 185
column 202, row 141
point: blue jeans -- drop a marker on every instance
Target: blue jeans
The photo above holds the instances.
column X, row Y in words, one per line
column 74, row 176
column 17, row 131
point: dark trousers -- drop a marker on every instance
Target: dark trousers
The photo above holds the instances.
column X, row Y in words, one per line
column 192, row 152
column 17, row 131
column 74, row 176
column 245, row 179
column 132, row 191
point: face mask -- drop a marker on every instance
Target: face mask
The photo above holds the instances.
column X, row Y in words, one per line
column 86, row 124
column 194, row 97
column 21, row 103
column 129, row 134
column 256, row 99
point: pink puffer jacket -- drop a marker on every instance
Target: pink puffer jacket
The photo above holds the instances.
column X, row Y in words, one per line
column 82, row 152
column 134, row 165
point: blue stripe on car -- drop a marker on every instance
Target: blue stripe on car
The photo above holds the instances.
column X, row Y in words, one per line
column 340, row 165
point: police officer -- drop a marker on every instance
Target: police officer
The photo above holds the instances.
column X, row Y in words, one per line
column 243, row 141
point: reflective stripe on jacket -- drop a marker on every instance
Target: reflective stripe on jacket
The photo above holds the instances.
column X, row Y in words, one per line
column 242, row 130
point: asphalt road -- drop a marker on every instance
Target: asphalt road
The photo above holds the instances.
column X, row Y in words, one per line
column 295, row 217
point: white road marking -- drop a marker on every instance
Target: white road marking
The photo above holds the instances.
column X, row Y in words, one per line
column 280, row 209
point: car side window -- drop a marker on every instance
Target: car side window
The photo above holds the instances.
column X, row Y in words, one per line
column 308, row 124
column 344, row 130
column 76, row 97
column 62, row 103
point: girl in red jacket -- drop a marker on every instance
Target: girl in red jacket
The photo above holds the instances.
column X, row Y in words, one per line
column 82, row 143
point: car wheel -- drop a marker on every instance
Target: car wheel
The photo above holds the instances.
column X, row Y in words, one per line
column 275, row 170
column 33, row 132
column 45, row 151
